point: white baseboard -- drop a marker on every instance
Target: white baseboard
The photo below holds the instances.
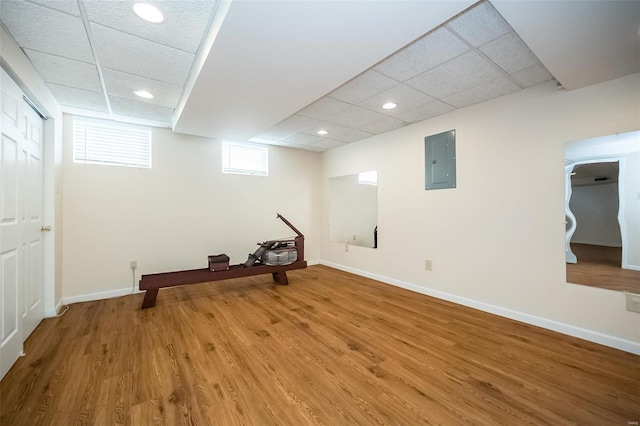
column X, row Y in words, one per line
column 633, row 267
column 100, row 295
column 54, row 312
column 115, row 293
column 571, row 330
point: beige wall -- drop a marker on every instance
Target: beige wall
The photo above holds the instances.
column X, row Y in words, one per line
column 498, row 238
column 16, row 64
column 170, row 217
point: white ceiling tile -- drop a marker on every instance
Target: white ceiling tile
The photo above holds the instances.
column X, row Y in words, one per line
column 329, row 144
column 123, row 85
column 404, row 96
column 364, row 86
column 293, row 124
column 323, row 108
column 67, row 6
column 531, row 76
column 425, row 112
column 461, row 73
column 335, row 131
column 46, row 30
column 303, row 139
column 183, row 27
column 480, row 24
column 490, row 90
column 259, row 139
column 141, row 57
column 130, row 108
column 297, row 123
column 426, row 53
column 355, row 117
column 384, row 126
column 289, row 144
column 353, row 136
column 273, row 134
column 78, row 98
column 64, row 71
column 510, row 53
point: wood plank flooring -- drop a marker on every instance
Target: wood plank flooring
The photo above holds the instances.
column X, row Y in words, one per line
column 329, row 349
column 599, row 266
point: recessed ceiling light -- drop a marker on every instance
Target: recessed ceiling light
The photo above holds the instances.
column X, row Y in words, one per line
column 389, row 105
column 143, row 94
column 322, row 132
column 148, row 12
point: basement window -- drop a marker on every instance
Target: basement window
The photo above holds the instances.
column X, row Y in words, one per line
column 112, row 143
column 245, row 158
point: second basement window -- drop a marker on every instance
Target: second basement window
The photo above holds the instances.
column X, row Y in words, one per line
column 245, row 158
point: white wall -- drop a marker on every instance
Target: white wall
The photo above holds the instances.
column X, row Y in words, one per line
column 18, row 66
column 497, row 240
column 172, row 216
column 596, row 210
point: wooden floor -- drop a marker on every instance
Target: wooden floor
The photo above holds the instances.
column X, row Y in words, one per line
column 329, row 349
column 599, row 266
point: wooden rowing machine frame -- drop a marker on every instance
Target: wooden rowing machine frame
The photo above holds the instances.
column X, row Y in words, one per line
column 151, row 283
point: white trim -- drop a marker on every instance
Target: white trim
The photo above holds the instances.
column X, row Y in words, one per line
column 110, row 294
column 49, row 215
column 633, row 267
column 54, row 312
column 571, row 330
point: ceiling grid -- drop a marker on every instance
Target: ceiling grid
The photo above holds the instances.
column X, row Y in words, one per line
column 470, row 59
column 90, row 49
column 257, row 82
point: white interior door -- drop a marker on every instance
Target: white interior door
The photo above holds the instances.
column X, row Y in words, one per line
column 21, row 206
column 32, row 210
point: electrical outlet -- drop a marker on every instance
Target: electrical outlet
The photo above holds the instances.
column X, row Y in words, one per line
column 133, row 265
column 346, row 247
column 633, row 302
column 428, row 264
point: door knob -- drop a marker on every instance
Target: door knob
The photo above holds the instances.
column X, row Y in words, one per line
column 45, row 229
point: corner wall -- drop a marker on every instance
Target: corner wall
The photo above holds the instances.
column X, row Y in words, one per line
column 172, row 216
column 497, row 240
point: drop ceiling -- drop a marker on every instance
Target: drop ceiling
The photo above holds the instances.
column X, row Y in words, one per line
column 279, row 71
column 94, row 54
column 474, row 57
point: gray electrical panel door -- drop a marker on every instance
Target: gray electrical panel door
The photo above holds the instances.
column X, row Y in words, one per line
column 440, row 160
